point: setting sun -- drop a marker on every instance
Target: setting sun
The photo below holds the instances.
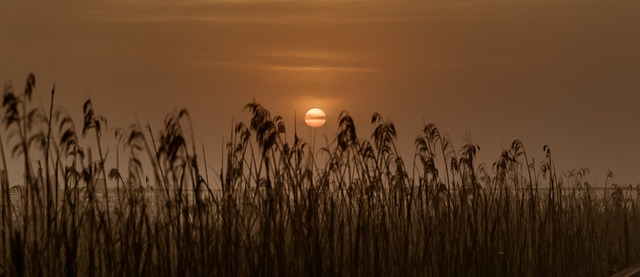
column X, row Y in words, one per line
column 315, row 118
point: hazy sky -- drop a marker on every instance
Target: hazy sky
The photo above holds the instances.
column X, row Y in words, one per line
column 562, row 73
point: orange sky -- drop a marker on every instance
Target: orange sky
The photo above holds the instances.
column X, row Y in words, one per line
column 563, row 73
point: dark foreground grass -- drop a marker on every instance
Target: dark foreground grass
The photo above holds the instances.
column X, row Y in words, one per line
column 353, row 210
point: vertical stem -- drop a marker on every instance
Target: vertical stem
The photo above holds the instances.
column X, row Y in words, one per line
column 46, row 160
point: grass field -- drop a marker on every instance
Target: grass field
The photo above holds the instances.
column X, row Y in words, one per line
column 352, row 208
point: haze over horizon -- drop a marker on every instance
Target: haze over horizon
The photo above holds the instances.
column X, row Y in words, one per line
column 561, row 73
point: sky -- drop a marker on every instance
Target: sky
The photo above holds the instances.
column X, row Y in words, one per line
column 561, row 73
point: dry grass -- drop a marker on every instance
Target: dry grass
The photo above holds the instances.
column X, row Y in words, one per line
column 360, row 212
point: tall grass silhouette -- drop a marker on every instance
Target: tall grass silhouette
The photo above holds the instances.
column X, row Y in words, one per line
column 357, row 211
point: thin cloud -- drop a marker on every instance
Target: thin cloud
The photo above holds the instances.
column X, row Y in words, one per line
column 319, row 68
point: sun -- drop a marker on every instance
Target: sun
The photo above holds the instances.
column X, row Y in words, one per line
column 315, row 118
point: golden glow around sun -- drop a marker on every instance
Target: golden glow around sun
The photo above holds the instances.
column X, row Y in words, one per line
column 315, row 118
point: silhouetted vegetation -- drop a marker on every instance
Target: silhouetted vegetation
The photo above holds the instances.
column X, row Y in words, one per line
column 354, row 210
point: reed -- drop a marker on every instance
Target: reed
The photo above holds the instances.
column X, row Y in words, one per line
column 281, row 211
